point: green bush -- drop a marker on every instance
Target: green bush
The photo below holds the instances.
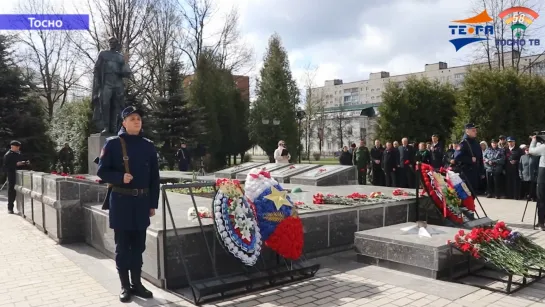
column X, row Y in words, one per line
column 71, row 124
column 247, row 158
column 316, row 156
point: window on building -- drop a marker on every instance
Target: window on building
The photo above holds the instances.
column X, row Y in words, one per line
column 459, row 76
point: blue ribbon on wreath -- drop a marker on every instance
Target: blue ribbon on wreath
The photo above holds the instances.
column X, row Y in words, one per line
column 460, row 191
column 231, row 227
column 263, row 207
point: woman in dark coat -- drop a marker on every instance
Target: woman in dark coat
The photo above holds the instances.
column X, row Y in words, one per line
column 346, row 157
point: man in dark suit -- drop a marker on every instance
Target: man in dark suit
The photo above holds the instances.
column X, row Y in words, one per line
column 437, row 152
column 390, row 158
column 376, row 161
column 406, row 164
column 512, row 178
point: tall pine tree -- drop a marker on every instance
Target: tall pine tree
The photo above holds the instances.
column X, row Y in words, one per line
column 277, row 99
column 22, row 114
column 174, row 119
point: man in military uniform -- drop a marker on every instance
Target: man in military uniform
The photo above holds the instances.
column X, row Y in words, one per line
column 469, row 157
column 376, row 164
column 362, row 159
column 128, row 162
column 66, row 158
column 12, row 161
column 184, row 158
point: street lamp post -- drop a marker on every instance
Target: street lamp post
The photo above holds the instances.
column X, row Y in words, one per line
column 300, row 114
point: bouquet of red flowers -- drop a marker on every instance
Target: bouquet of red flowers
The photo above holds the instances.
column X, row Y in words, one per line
column 501, row 247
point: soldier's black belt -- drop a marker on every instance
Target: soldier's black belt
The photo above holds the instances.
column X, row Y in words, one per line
column 130, row 192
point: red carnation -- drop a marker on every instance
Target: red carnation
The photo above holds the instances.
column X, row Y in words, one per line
column 287, row 238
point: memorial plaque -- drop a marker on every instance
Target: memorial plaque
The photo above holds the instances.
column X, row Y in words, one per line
column 231, row 172
column 269, row 167
column 283, row 175
column 327, row 175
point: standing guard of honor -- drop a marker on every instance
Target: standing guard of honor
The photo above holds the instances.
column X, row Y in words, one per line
column 128, row 163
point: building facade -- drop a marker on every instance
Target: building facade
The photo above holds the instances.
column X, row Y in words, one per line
column 347, row 100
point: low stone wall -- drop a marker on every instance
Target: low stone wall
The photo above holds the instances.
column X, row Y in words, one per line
column 54, row 203
column 69, row 210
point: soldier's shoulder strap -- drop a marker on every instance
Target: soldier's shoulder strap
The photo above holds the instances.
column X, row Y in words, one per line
column 146, row 139
column 470, row 149
column 125, row 156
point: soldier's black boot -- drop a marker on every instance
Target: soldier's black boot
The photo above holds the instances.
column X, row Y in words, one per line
column 136, row 285
column 125, row 294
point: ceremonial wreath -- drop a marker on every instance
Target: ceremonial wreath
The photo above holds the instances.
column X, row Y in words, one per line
column 263, row 213
column 235, row 222
column 502, row 247
column 448, row 192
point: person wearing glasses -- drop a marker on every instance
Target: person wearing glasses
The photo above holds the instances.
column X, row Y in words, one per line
column 281, row 154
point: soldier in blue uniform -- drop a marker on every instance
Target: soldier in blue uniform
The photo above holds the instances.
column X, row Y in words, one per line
column 134, row 197
column 469, row 157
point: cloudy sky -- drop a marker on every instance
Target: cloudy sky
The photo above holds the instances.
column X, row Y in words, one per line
column 348, row 39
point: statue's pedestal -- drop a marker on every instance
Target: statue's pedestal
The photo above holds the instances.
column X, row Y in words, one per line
column 95, row 142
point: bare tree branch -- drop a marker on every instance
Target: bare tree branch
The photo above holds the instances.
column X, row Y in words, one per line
column 49, row 58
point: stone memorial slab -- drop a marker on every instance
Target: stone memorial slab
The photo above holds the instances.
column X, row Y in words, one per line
column 95, row 142
column 407, row 251
column 327, row 175
column 283, row 175
column 231, row 172
column 269, row 167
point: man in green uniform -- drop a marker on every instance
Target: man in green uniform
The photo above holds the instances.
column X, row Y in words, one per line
column 362, row 158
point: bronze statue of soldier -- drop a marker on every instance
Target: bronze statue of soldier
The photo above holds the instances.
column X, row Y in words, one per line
column 108, row 88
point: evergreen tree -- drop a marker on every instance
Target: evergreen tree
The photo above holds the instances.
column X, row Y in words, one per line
column 277, row 99
column 174, row 119
column 501, row 102
column 417, row 110
column 22, row 114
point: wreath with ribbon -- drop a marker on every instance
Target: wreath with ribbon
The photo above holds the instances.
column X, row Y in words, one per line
column 435, row 183
column 235, row 222
column 280, row 226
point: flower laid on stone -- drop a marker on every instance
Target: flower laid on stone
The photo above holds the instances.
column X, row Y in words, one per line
column 350, row 200
column 235, row 222
column 291, row 167
column 54, row 173
column 320, row 172
column 401, row 192
column 202, row 212
column 502, row 247
column 80, row 177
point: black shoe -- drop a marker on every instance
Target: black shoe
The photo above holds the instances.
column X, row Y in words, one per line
column 125, row 294
column 11, row 212
column 136, row 285
column 489, row 196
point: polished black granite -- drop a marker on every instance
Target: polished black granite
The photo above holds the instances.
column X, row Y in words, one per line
column 407, row 251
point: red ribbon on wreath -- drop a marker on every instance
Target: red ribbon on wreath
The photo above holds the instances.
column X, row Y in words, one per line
column 263, row 173
column 430, row 189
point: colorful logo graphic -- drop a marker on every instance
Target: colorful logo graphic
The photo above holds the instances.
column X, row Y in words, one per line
column 478, row 28
column 471, row 29
column 520, row 18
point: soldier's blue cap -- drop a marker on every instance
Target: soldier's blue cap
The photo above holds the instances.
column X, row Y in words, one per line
column 130, row 110
column 470, row 126
column 15, row 143
column 510, row 139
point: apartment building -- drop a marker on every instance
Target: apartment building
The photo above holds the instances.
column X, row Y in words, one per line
column 351, row 98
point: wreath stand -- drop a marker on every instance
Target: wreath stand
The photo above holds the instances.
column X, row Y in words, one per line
column 261, row 276
column 472, row 221
column 478, row 269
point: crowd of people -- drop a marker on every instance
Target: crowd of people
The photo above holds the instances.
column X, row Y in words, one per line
column 502, row 169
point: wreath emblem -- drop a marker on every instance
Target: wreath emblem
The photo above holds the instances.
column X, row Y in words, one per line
column 235, row 222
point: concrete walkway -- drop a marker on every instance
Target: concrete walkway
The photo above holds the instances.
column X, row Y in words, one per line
column 34, row 271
